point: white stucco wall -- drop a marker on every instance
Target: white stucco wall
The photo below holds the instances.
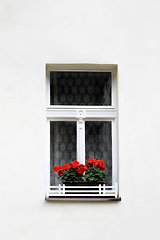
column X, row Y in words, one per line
column 33, row 33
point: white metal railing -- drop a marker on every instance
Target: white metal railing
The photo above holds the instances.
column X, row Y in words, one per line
column 86, row 191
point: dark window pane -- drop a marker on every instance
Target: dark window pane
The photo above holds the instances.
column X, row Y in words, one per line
column 80, row 88
column 63, row 145
column 98, row 142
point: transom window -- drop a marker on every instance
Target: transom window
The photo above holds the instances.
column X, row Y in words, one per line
column 80, row 88
column 81, row 117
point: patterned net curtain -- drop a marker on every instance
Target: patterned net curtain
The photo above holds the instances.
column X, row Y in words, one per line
column 63, row 145
column 98, row 142
column 80, row 88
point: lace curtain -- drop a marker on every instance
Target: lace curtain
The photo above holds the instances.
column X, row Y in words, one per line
column 98, row 144
column 63, row 145
column 80, row 88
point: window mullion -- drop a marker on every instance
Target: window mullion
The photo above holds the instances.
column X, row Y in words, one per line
column 81, row 141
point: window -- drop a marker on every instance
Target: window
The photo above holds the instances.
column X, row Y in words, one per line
column 81, row 113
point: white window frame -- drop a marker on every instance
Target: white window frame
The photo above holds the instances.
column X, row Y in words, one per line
column 80, row 114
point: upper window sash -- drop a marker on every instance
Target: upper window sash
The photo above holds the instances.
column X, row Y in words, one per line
column 81, row 68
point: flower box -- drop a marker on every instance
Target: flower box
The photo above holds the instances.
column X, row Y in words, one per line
column 94, row 171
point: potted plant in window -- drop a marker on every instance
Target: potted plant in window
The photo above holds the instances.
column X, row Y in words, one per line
column 96, row 171
column 72, row 172
column 92, row 173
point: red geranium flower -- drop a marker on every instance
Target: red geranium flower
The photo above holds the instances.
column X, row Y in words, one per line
column 80, row 168
column 88, row 165
column 101, row 161
column 91, row 160
column 60, row 172
column 85, row 167
column 65, row 166
column 101, row 166
column 74, row 164
column 56, row 168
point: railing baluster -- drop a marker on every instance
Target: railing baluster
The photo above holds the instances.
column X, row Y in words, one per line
column 103, row 188
column 64, row 189
column 116, row 190
column 59, row 189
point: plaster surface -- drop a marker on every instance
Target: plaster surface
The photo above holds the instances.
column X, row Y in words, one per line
column 34, row 33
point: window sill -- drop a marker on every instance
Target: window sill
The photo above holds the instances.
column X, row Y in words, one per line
column 83, row 199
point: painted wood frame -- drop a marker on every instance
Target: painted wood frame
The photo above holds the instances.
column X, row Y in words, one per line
column 80, row 114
